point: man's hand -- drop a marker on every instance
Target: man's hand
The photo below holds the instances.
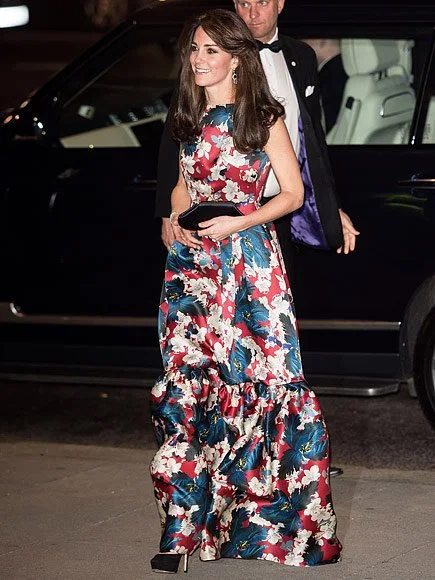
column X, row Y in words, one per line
column 183, row 236
column 349, row 233
column 167, row 233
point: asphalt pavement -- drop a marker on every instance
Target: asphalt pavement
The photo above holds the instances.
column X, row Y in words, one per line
column 77, row 501
column 380, row 432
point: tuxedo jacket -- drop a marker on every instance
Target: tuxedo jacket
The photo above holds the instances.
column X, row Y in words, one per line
column 317, row 222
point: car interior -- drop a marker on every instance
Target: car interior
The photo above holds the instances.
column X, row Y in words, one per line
column 378, row 101
column 117, row 108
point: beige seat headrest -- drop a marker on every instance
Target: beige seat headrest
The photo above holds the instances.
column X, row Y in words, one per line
column 367, row 56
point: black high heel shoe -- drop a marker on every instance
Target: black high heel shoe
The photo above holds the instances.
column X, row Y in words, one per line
column 168, row 563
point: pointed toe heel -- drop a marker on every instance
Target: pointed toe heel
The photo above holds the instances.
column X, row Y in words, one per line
column 168, row 563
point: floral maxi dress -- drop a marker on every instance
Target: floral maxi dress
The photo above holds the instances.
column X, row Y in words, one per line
column 242, row 468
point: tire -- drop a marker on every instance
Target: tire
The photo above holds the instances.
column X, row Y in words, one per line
column 424, row 367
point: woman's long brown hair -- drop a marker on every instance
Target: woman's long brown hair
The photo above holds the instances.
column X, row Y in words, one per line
column 255, row 110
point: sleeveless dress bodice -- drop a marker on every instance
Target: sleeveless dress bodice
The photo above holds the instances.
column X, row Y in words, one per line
column 214, row 170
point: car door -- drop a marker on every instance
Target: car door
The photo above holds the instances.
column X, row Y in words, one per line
column 361, row 297
column 91, row 246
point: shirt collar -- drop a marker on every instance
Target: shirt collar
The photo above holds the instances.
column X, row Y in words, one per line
column 275, row 37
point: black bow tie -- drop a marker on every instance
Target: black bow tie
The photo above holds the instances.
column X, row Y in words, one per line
column 273, row 46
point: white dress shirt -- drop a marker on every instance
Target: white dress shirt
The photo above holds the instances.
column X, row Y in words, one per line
column 281, row 87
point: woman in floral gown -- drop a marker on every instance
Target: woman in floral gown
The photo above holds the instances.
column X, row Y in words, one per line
column 242, row 468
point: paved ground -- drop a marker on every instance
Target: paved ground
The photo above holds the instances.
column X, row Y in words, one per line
column 76, row 500
column 87, row 512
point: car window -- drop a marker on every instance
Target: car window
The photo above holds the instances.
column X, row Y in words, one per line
column 127, row 105
column 367, row 88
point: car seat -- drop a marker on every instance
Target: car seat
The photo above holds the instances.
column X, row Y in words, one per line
column 378, row 101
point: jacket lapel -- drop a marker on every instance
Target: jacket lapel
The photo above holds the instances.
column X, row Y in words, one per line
column 293, row 69
column 306, row 226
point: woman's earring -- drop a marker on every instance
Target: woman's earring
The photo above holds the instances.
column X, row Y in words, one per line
column 235, row 77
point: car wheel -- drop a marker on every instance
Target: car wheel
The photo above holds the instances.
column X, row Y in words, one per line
column 424, row 367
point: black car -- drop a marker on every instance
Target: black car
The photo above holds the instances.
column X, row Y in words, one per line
column 81, row 256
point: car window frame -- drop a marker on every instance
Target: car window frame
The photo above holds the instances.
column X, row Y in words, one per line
column 419, row 119
column 66, row 86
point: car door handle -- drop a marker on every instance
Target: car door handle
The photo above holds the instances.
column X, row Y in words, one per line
column 139, row 181
column 68, row 173
column 418, row 183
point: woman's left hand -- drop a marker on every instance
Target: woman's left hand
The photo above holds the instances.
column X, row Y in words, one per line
column 219, row 228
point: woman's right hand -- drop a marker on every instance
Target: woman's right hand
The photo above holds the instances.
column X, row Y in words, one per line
column 185, row 237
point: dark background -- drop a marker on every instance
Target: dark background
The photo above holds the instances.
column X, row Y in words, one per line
column 59, row 30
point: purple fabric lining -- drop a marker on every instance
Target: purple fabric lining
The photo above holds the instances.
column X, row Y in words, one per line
column 306, row 227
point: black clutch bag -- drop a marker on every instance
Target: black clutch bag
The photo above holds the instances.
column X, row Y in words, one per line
column 206, row 210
